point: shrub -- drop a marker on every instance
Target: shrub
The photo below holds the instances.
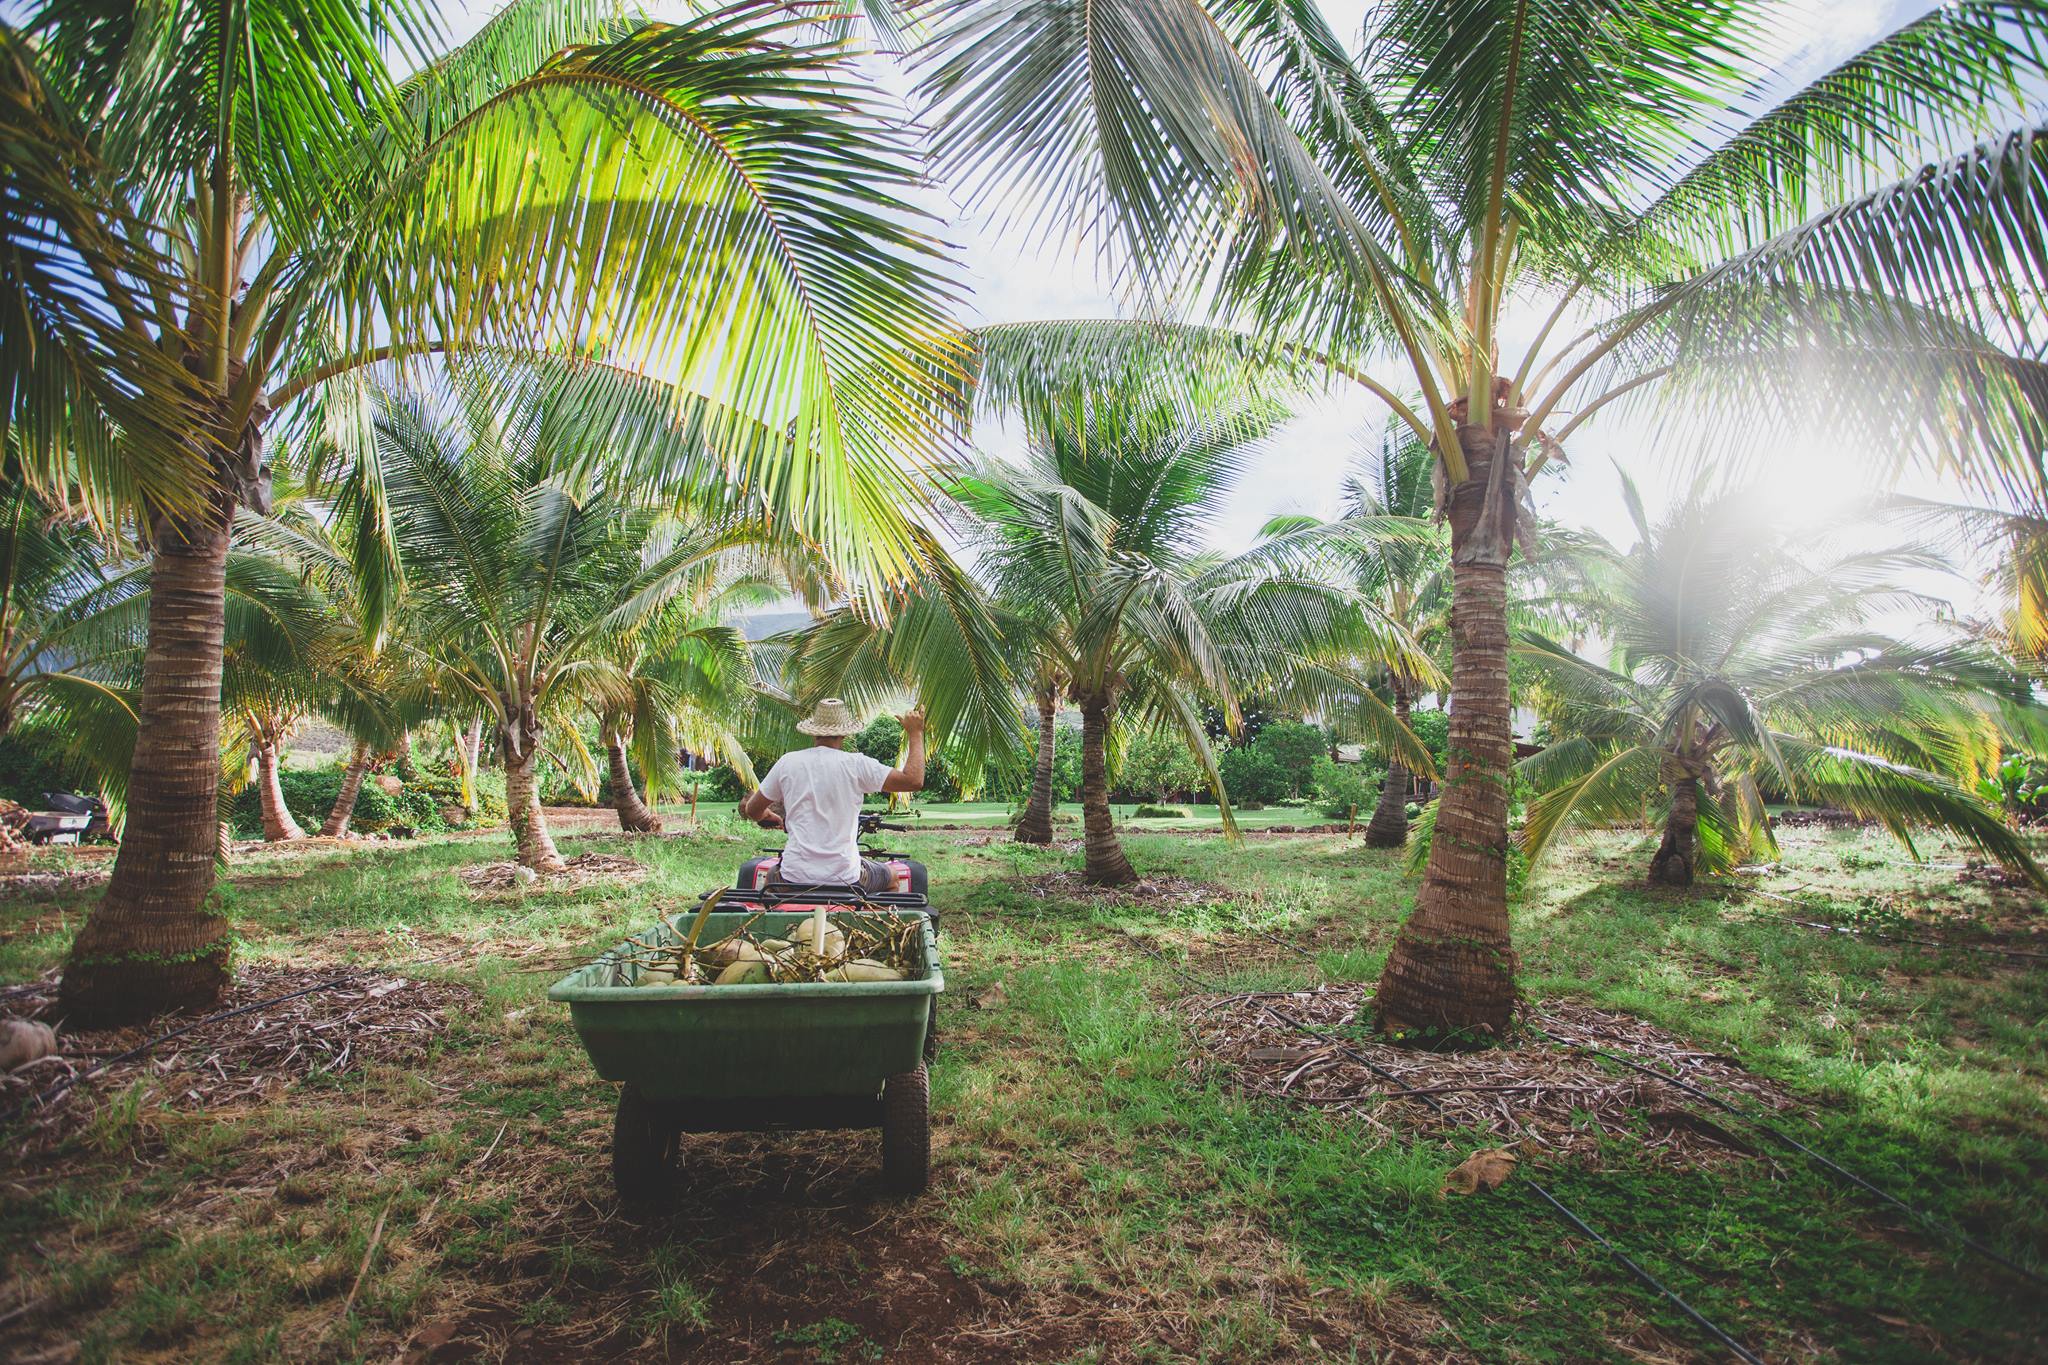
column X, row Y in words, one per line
column 1294, row 747
column 1433, row 728
column 1252, row 777
column 1342, row 788
column 1157, row 767
column 1159, row 813
column 310, row 793
column 882, row 741
column 27, row 771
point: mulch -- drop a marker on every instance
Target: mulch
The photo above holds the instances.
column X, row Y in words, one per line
column 1157, row 892
column 368, row 1018
column 1531, row 1094
column 585, row 869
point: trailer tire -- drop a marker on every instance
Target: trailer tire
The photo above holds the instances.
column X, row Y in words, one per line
column 643, row 1149
column 907, row 1132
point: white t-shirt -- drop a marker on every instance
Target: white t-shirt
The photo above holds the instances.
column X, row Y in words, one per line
column 819, row 790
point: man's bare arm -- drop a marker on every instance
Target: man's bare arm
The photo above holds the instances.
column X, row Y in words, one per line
column 909, row 777
column 754, row 806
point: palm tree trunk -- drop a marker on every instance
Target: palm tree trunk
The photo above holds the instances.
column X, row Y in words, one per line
column 1036, row 826
column 634, row 817
column 1452, row 968
column 1673, row 864
column 408, row 771
column 278, row 824
column 1106, row 864
column 152, row 943
column 1389, row 827
column 472, row 758
column 519, row 740
column 351, row 787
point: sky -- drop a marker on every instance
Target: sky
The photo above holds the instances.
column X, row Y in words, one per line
column 1017, row 277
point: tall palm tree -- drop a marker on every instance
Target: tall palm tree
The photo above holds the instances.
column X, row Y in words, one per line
column 218, row 213
column 1742, row 664
column 1474, row 159
column 523, row 577
column 1101, row 526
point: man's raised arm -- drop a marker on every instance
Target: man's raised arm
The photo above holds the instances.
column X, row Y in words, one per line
column 909, row 777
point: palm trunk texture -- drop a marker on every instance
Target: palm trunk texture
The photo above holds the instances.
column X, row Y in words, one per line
column 520, row 742
column 152, row 944
column 1673, row 865
column 1452, row 968
column 1389, row 827
column 1106, row 864
column 351, row 787
column 278, row 824
column 1036, row 826
column 634, row 816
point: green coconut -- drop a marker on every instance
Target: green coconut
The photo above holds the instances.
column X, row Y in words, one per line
column 744, row 973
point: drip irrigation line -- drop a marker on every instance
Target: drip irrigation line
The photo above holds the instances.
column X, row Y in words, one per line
column 68, row 1082
column 1927, row 1216
column 1740, row 1351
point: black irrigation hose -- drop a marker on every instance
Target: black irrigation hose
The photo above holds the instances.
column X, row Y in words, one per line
column 1927, row 1216
column 69, row 1081
column 1740, row 1351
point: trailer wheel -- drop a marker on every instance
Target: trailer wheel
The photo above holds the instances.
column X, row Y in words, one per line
column 643, row 1149
column 907, row 1132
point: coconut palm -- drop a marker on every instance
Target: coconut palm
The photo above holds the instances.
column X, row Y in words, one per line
column 1101, row 527
column 1742, row 664
column 1406, row 576
column 1627, row 167
column 523, row 578
column 214, row 214
column 68, row 639
column 682, row 680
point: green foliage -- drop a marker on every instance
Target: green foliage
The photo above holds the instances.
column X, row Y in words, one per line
column 2021, row 782
column 882, row 740
column 1342, row 789
column 1159, row 813
column 1433, row 728
column 1157, row 767
column 1294, row 746
column 310, row 793
column 1253, row 777
column 27, row 770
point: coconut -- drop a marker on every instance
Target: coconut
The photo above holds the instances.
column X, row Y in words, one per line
column 23, row 1041
column 804, row 934
column 657, row 976
column 864, row 969
column 744, row 974
column 732, row 950
column 775, row 947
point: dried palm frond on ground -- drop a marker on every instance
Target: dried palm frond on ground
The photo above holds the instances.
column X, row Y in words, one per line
column 583, row 870
column 1544, row 1095
column 369, row 1018
column 46, row 885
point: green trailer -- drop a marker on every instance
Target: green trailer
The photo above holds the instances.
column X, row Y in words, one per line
column 721, row 1059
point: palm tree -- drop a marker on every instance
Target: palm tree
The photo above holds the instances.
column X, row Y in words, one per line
column 1406, row 576
column 214, row 214
column 683, row 680
column 523, row 579
column 1741, row 665
column 1100, row 526
column 1478, row 159
column 68, row 638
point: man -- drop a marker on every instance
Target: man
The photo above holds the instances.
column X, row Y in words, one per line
column 815, row 795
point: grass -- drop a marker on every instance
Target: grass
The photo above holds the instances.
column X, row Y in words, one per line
column 1096, row 1196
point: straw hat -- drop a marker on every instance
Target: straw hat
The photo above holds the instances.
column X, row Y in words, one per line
column 831, row 716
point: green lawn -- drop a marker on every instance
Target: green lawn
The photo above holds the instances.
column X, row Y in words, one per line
column 1096, row 1196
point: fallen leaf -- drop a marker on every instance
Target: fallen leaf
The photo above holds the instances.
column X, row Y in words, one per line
column 1486, row 1170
